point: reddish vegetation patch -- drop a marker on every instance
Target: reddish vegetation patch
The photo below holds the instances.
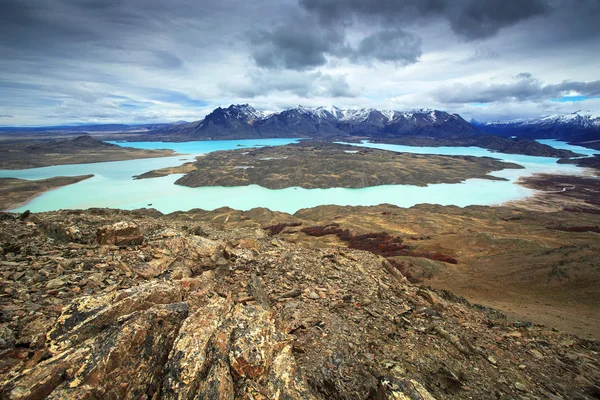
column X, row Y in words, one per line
column 381, row 243
column 420, row 237
column 275, row 229
column 576, row 228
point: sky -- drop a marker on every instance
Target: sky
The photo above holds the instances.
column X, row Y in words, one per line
column 150, row 61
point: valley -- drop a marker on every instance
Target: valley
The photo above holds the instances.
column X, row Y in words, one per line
column 508, row 291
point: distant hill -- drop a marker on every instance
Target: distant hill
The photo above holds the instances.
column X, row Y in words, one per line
column 89, row 128
column 83, row 149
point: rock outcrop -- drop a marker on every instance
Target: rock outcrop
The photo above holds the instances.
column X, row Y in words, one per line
column 121, row 234
column 143, row 343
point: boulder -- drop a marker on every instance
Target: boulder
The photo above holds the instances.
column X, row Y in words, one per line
column 189, row 356
column 195, row 253
column 120, row 234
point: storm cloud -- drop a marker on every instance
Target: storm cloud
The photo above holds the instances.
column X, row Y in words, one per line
column 322, row 32
column 294, row 46
column 471, row 19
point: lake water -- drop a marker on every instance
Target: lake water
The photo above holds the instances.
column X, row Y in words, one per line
column 113, row 186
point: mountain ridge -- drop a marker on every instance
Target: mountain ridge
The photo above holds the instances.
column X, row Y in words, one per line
column 420, row 127
column 579, row 127
column 319, row 121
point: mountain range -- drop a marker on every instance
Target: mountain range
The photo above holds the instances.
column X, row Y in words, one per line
column 423, row 127
column 580, row 127
column 237, row 121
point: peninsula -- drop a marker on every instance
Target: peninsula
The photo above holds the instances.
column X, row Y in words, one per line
column 15, row 192
column 18, row 154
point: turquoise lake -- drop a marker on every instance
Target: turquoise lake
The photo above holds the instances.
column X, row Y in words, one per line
column 113, row 186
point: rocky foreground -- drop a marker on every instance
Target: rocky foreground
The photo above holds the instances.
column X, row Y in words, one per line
column 109, row 304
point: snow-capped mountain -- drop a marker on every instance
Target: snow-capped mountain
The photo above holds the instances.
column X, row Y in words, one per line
column 243, row 120
column 579, row 126
column 423, row 127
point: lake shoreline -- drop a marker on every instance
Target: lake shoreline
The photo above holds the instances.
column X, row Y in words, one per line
column 15, row 193
column 555, row 193
column 115, row 187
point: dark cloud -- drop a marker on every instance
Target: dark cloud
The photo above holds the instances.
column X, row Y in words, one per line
column 153, row 33
column 309, row 41
column 524, row 75
column 390, row 45
column 476, row 19
column 471, row 19
column 524, row 88
column 300, row 46
column 331, row 11
column 296, row 45
column 167, row 58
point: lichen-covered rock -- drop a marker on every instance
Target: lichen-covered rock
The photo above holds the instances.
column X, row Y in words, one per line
column 189, row 356
column 140, row 343
column 124, row 361
column 7, row 337
column 120, row 234
column 224, row 352
column 87, row 316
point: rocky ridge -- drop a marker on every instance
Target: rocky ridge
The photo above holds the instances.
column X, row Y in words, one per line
column 122, row 305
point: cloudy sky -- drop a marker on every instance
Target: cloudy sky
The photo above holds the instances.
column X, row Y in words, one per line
column 143, row 61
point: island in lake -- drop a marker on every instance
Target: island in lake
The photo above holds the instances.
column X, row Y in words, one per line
column 313, row 164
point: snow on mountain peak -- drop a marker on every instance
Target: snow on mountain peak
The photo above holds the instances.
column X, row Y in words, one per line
column 245, row 110
column 581, row 118
column 334, row 113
